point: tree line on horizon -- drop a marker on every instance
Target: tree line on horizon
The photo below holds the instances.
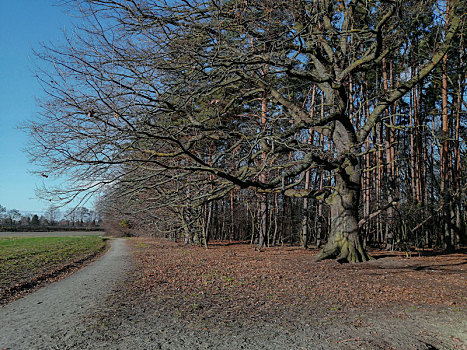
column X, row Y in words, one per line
column 340, row 124
column 14, row 219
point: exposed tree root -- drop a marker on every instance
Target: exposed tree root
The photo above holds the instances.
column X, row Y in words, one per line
column 345, row 248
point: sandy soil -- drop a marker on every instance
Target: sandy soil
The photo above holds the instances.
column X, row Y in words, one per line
column 142, row 326
column 35, row 321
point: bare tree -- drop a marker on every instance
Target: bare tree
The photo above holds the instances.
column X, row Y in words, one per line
column 52, row 214
column 13, row 215
column 148, row 86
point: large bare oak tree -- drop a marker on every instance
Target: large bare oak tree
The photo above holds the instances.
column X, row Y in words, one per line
column 217, row 93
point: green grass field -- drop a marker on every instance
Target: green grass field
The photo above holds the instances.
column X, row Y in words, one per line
column 22, row 259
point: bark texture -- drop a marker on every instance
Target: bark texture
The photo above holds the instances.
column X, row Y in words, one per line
column 345, row 243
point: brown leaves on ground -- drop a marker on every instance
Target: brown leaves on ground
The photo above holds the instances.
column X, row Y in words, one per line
column 229, row 282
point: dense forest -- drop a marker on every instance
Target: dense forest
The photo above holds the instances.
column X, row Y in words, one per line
column 340, row 124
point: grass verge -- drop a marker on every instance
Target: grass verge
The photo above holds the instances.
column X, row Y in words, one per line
column 25, row 262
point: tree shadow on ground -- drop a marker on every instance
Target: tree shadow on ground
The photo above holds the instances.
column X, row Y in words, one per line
column 380, row 254
column 226, row 243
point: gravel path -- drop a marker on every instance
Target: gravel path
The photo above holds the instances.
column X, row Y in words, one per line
column 34, row 321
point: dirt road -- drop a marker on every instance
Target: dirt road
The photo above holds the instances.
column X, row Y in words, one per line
column 34, row 321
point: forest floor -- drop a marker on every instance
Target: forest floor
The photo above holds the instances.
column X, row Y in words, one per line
column 230, row 296
column 166, row 295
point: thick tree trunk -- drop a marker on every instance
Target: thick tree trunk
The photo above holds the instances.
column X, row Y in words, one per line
column 344, row 240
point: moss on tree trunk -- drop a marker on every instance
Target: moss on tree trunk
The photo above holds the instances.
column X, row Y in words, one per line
column 344, row 242
column 345, row 247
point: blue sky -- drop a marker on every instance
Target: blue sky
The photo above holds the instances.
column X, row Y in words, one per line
column 24, row 24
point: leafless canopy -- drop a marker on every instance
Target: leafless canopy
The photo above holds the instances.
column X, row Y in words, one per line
column 189, row 99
